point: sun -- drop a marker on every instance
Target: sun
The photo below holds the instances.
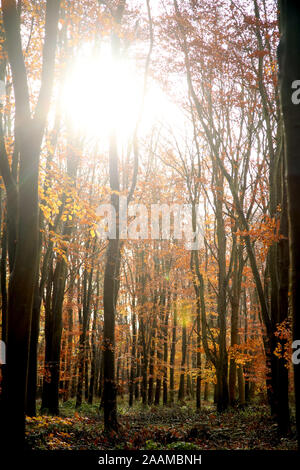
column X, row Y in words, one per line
column 102, row 94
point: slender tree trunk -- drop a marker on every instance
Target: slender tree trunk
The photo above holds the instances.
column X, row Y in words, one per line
column 165, row 349
column 133, row 355
column 3, row 264
column 181, row 391
column 93, row 345
column 23, row 276
column 152, row 363
column 109, row 294
column 289, row 69
column 32, row 366
column 173, row 350
column 241, row 385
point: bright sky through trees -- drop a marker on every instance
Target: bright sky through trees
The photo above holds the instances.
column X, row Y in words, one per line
column 102, row 93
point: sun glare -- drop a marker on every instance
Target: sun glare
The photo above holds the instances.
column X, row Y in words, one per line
column 102, row 94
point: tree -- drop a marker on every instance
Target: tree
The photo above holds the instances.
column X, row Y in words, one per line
column 289, row 73
column 28, row 139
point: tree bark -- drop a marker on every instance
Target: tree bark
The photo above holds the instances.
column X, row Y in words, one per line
column 289, row 71
column 29, row 134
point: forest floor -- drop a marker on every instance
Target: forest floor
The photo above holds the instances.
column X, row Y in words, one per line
column 177, row 427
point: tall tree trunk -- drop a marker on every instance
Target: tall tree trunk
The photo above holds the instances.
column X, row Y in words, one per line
column 93, row 345
column 238, row 265
column 173, row 349
column 109, row 295
column 86, row 302
column 3, row 264
column 289, row 72
column 29, row 134
column 69, row 344
column 241, row 385
column 133, row 354
column 32, row 366
column 181, row 391
column 198, row 353
column 165, row 349
column 152, row 362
